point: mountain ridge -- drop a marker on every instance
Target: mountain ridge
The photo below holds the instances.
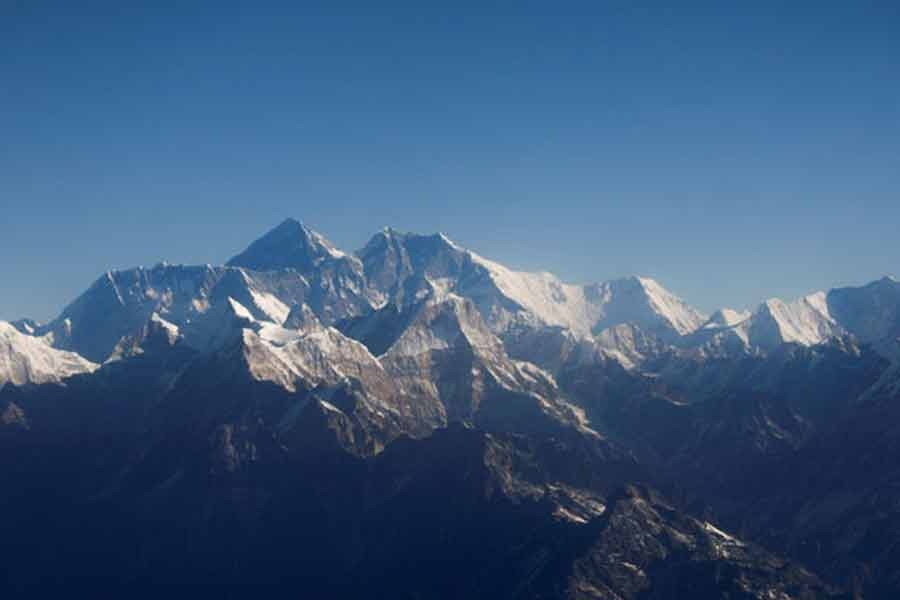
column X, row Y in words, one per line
column 292, row 264
column 343, row 416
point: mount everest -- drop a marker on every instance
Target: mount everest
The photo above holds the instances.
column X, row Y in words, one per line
column 450, row 394
column 294, row 267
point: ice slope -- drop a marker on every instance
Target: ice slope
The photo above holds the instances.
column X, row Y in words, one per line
column 806, row 321
column 26, row 359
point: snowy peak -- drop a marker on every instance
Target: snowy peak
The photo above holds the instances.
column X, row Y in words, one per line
column 443, row 325
column 644, row 302
column 385, row 260
column 294, row 277
column 391, row 257
column 806, row 321
column 871, row 313
column 119, row 303
column 538, row 298
column 682, row 317
column 289, row 245
column 331, row 282
column 313, row 356
column 26, row 359
column 400, row 264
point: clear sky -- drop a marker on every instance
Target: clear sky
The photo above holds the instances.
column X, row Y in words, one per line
column 732, row 150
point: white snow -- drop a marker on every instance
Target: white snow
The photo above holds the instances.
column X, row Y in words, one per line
column 172, row 331
column 330, row 407
column 562, row 512
column 671, row 308
column 805, row 321
column 580, row 308
column 554, row 302
column 27, row 359
column 268, row 304
column 240, row 310
column 315, row 355
column 709, row 527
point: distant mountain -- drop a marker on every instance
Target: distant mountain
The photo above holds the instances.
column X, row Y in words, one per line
column 869, row 313
column 25, row 359
column 506, row 297
column 415, row 420
column 291, row 245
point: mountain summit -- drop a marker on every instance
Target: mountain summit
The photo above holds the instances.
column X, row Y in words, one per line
column 289, row 245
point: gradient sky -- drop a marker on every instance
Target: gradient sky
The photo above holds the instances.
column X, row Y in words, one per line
column 731, row 155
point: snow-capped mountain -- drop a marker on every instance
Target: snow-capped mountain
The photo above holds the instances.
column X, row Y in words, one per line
column 294, row 265
column 871, row 313
column 805, row 321
column 120, row 303
column 26, row 359
column 335, row 285
column 643, row 302
column 508, row 299
column 291, row 245
column 346, row 406
column 633, row 319
column 448, row 357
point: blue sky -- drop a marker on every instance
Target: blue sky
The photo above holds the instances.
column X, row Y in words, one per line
column 734, row 151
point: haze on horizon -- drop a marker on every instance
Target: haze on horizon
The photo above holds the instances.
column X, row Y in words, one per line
column 732, row 156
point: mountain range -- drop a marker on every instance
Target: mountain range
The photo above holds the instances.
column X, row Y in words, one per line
column 414, row 420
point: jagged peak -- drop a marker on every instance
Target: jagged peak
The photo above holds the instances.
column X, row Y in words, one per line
column 645, row 301
column 156, row 334
column 806, row 321
column 817, row 301
column 404, row 237
column 442, row 323
column 291, row 244
column 28, row 359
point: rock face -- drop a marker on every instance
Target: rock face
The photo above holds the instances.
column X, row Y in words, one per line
column 643, row 548
column 416, row 421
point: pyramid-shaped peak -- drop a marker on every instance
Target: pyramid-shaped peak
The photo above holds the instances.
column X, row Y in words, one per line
column 443, row 324
column 291, row 244
column 644, row 301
